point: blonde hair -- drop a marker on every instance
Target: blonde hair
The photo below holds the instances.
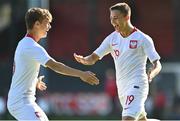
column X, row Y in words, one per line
column 36, row 14
column 122, row 7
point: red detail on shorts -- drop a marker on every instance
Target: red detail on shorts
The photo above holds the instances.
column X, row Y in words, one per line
column 126, row 108
column 129, row 99
column 38, row 114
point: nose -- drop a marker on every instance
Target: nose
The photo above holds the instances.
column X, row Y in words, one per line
column 49, row 26
column 112, row 21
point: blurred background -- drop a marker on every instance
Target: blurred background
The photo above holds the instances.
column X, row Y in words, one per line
column 80, row 26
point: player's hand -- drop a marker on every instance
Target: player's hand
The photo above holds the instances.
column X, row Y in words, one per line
column 40, row 84
column 80, row 59
column 89, row 78
column 149, row 75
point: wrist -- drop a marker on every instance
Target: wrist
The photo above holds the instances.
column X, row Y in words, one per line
column 80, row 74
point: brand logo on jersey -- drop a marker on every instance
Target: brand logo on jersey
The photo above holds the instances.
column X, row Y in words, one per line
column 114, row 44
column 133, row 44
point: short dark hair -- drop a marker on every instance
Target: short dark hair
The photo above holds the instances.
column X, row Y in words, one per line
column 36, row 14
column 122, row 7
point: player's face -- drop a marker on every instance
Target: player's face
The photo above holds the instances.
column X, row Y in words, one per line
column 44, row 28
column 118, row 20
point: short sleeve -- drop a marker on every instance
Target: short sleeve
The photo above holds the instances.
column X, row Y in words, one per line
column 149, row 49
column 104, row 48
column 38, row 54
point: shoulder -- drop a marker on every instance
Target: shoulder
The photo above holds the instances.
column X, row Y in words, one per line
column 143, row 36
column 29, row 45
column 111, row 36
column 26, row 42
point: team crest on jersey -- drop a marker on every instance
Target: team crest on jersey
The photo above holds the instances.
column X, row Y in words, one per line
column 133, row 44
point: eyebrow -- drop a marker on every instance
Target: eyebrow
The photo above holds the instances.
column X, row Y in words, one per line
column 113, row 16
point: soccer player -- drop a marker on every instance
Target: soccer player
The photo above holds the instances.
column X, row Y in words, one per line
column 129, row 48
column 29, row 55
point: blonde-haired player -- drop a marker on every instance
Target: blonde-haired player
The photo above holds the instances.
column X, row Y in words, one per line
column 29, row 55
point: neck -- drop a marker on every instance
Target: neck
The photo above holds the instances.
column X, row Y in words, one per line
column 127, row 30
column 33, row 35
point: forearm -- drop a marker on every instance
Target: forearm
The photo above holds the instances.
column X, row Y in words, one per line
column 65, row 70
column 61, row 68
column 156, row 68
column 88, row 60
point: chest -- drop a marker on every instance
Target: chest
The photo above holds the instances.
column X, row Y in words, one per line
column 126, row 46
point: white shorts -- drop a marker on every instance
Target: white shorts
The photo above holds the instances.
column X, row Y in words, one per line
column 28, row 111
column 133, row 102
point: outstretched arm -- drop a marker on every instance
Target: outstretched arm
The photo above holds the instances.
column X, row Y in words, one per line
column 88, row 60
column 61, row 68
column 154, row 70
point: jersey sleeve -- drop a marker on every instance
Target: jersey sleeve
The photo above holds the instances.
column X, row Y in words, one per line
column 104, row 48
column 150, row 50
column 38, row 53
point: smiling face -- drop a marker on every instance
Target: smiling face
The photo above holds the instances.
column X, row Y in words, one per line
column 118, row 20
column 120, row 16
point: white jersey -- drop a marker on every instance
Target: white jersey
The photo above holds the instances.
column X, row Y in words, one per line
column 130, row 56
column 29, row 55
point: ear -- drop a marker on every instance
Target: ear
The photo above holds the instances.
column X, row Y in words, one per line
column 37, row 23
column 127, row 17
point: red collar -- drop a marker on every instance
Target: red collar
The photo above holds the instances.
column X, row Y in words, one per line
column 29, row 35
column 135, row 29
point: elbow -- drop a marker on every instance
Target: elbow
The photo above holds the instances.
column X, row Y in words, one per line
column 53, row 65
column 159, row 66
